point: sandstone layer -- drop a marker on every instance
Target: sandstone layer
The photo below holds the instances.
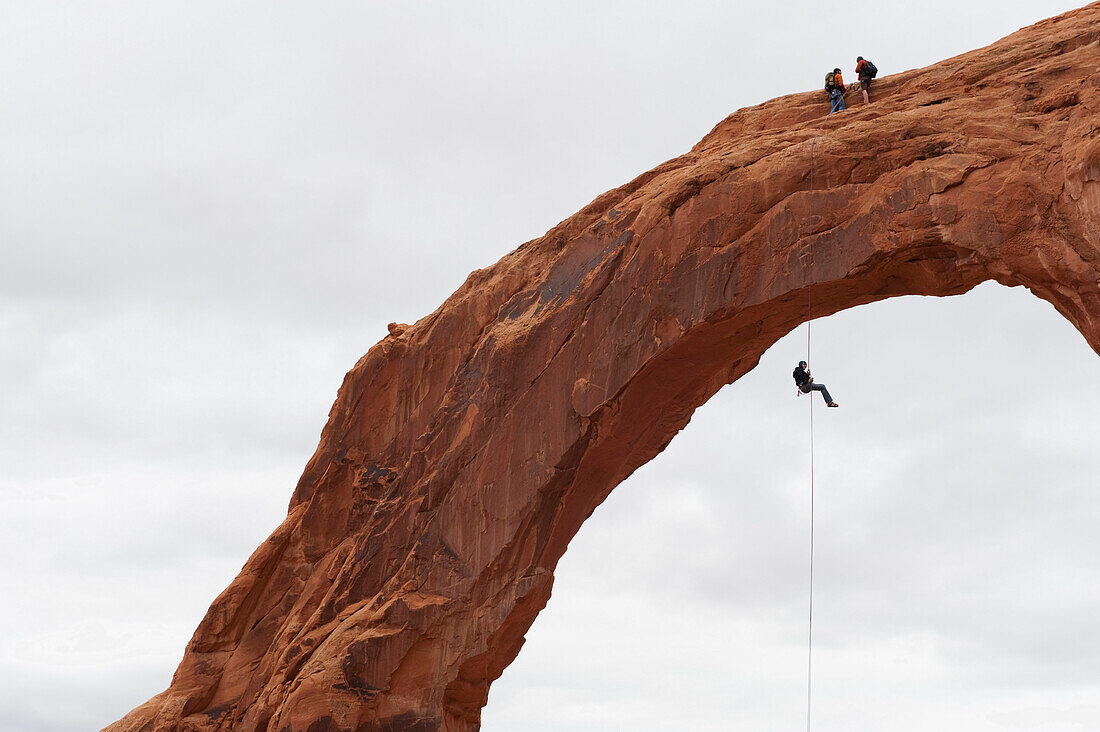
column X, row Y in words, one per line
column 463, row 452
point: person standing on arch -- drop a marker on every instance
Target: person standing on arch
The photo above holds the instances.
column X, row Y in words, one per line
column 866, row 72
column 834, row 84
column 805, row 381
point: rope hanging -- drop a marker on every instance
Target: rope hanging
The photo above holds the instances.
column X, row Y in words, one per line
column 810, row 621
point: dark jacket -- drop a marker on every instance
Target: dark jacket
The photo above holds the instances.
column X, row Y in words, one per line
column 801, row 377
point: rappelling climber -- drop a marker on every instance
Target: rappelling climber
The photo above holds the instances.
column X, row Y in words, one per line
column 834, row 84
column 805, row 381
column 866, row 71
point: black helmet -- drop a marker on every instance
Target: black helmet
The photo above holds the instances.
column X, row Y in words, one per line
column 836, row 71
column 801, row 363
column 859, row 58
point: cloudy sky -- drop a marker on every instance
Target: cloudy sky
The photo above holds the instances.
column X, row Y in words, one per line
column 209, row 211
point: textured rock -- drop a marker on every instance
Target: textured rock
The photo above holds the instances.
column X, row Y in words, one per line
column 464, row 451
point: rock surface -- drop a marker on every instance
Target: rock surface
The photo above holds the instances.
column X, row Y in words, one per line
column 463, row 452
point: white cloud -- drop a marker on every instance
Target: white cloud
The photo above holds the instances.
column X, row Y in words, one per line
column 210, row 212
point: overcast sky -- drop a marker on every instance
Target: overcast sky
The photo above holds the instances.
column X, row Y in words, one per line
column 209, row 212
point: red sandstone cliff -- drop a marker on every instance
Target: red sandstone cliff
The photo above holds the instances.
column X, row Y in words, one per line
column 463, row 452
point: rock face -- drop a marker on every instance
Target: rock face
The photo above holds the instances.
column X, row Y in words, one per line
column 464, row 451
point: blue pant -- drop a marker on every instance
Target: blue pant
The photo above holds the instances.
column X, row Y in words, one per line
column 818, row 387
column 837, row 98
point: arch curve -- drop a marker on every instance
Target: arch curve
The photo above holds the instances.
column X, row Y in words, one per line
column 464, row 452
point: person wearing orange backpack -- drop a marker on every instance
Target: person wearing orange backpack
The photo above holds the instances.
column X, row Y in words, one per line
column 866, row 71
column 834, row 84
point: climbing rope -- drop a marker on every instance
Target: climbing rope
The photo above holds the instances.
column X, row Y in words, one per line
column 810, row 620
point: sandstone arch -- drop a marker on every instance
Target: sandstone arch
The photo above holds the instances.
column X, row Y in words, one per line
column 465, row 451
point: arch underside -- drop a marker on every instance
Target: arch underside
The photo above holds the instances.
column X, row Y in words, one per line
column 465, row 451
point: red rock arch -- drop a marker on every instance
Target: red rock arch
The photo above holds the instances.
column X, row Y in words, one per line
column 465, row 451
